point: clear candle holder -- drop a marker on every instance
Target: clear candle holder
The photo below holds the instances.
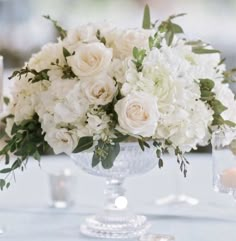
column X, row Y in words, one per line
column 62, row 189
column 224, row 161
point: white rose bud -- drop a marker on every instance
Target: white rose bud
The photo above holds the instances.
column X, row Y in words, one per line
column 90, row 59
column 138, row 114
column 99, row 91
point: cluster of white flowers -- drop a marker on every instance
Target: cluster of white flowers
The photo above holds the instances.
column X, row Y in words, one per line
column 95, row 85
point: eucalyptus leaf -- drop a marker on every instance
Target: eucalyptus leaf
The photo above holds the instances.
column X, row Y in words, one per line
column 201, row 50
column 146, row 18
column 84, row 144
column 169, row 36
column 113, row 151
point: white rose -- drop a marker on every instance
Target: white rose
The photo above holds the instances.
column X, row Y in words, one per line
column 61, row 140
column 126, row 40
column 90, row 59
column 138, row 114
column 99, row 91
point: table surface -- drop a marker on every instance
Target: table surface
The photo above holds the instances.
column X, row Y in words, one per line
column 26, row 215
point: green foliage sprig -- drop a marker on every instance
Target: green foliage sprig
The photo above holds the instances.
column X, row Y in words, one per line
column 27, row 140
column 208, row 96
column 230, row 76
column 199, row 47
column 66, row 69
column 170, row 29
column 61, row 31
column 182, row 161
column 139, row 55
column 100, row 38
column 38, row 76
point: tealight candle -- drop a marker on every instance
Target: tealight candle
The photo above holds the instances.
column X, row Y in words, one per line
column 62, row 187
column 228, row 178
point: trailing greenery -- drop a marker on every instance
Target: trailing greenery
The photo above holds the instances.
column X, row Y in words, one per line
column 61, row 31
column 37, row 76
column 26, row 140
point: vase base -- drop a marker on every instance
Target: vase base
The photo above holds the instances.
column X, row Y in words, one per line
column 133, row 227
column 175, row 200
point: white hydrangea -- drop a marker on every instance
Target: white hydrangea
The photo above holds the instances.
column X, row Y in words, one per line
column 48, row 55
column 96, row 89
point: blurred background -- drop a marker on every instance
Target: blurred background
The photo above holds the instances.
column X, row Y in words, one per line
column 23, row 30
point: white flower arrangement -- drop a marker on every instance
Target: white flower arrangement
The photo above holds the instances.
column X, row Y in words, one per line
column 98, row 85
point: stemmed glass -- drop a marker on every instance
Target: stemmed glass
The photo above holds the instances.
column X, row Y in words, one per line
column 224, row 161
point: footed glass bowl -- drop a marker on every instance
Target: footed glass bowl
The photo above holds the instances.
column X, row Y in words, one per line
column 115, row 221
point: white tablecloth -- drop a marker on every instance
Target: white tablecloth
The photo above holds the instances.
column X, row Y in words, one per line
column 25, row 213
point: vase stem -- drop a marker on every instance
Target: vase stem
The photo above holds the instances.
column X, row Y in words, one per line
column 114, row 189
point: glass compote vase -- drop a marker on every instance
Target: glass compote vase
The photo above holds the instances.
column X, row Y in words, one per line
column 115, row 220
column 224, row 161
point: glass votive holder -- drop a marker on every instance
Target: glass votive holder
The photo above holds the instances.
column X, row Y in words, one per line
column 224, row 161
column 62, row 189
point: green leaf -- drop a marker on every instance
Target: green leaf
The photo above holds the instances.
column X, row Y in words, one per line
column 146, row 18
column 176, row 28
column 8, row 185
column 230, row 123
column 169, row 36
column 202, row 50
column 62, row 32
column 2, row 183
column 207, row 84
column 218, row 107
column 160, row 163
column 140, row 142
column 135, row 52
column 158, row 153
column 16, row 164
column 5, row 170
column 6, row 100
column 177, row 16
column 36, row 155
column 113, row 152
column 66, row 53
column 84, row 144
column 95, row 160
column 218, row 120
column 120, row 137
